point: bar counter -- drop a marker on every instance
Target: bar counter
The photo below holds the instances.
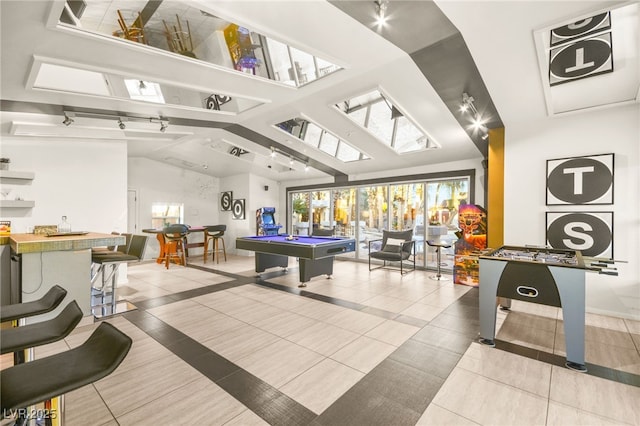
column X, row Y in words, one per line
column 39, row 262
column 32, row 243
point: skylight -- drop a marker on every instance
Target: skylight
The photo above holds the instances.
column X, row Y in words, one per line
column 376, row 113
column 319, row 138
column 141, row 90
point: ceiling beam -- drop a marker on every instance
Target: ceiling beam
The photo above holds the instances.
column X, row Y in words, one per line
column 438, row 49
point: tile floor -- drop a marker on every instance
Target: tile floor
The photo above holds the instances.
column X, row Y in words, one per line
column 222, row 347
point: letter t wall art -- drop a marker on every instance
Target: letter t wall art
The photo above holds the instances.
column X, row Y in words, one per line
column 581, row 181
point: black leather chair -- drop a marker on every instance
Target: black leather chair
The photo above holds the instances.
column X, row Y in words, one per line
column 30, row 383
column 397, row 246
column 215, row 233
column 174, row 241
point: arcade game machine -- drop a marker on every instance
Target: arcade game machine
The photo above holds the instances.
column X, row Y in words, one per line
column 472, row 241
column 241, row 48
column 266, row 222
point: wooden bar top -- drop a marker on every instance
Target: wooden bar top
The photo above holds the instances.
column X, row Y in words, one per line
column 32, row 243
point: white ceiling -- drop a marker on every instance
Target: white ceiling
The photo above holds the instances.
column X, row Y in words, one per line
column 499, row 35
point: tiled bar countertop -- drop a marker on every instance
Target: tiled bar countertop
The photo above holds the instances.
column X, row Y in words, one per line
column 31, row 243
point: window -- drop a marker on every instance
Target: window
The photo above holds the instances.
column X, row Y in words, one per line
column 144, row 91
column 164, row 214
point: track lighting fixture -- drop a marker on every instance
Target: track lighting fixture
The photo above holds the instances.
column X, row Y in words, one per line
column 477, row 121
column 142, row 85
column 468, row 105
column 293, row 158
column 121, row 120
column 381, row 10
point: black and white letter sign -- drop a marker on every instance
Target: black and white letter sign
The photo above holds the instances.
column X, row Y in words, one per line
column 581, row 49
column 589, row 232
column 580, row 180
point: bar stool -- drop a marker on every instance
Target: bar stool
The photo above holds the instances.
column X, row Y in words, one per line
column 107, row 265
column 23, row 339
column 174, row 236
column 40, row 333
column 438, row 245
column 46, row 303
column 27, row 384
column 215, row 233
column 19, row 312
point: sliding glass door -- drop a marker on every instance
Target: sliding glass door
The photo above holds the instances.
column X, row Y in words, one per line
column 373, row 205
column 321, row 216
column 300, row 213
column 407, row 212
column 428, row 207
column 443, row 199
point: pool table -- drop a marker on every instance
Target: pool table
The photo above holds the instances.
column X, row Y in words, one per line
column 315, row 254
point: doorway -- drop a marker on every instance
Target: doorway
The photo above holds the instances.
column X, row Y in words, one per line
column 132, row 211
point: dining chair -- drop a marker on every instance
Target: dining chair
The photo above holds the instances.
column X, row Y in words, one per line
column 174, row 236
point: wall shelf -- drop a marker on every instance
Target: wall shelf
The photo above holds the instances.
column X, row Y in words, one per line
column 10, row 174
column 16, row 204
column 17, row 178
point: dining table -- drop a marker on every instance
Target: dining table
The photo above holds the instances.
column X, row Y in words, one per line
column 165, row 248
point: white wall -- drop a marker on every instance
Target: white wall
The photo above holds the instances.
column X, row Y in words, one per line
column 159, row 182
column 250, row 188
column 527, row 148
column 84, row 180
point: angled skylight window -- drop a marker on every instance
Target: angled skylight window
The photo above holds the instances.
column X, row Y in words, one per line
column 319, row 138
column 141, row 90
column 376, row 113
column 189, row 31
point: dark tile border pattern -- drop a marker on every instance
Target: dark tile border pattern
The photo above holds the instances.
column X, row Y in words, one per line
column 396, row 391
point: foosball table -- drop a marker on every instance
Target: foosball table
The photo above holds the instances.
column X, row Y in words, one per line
column 538, row 275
